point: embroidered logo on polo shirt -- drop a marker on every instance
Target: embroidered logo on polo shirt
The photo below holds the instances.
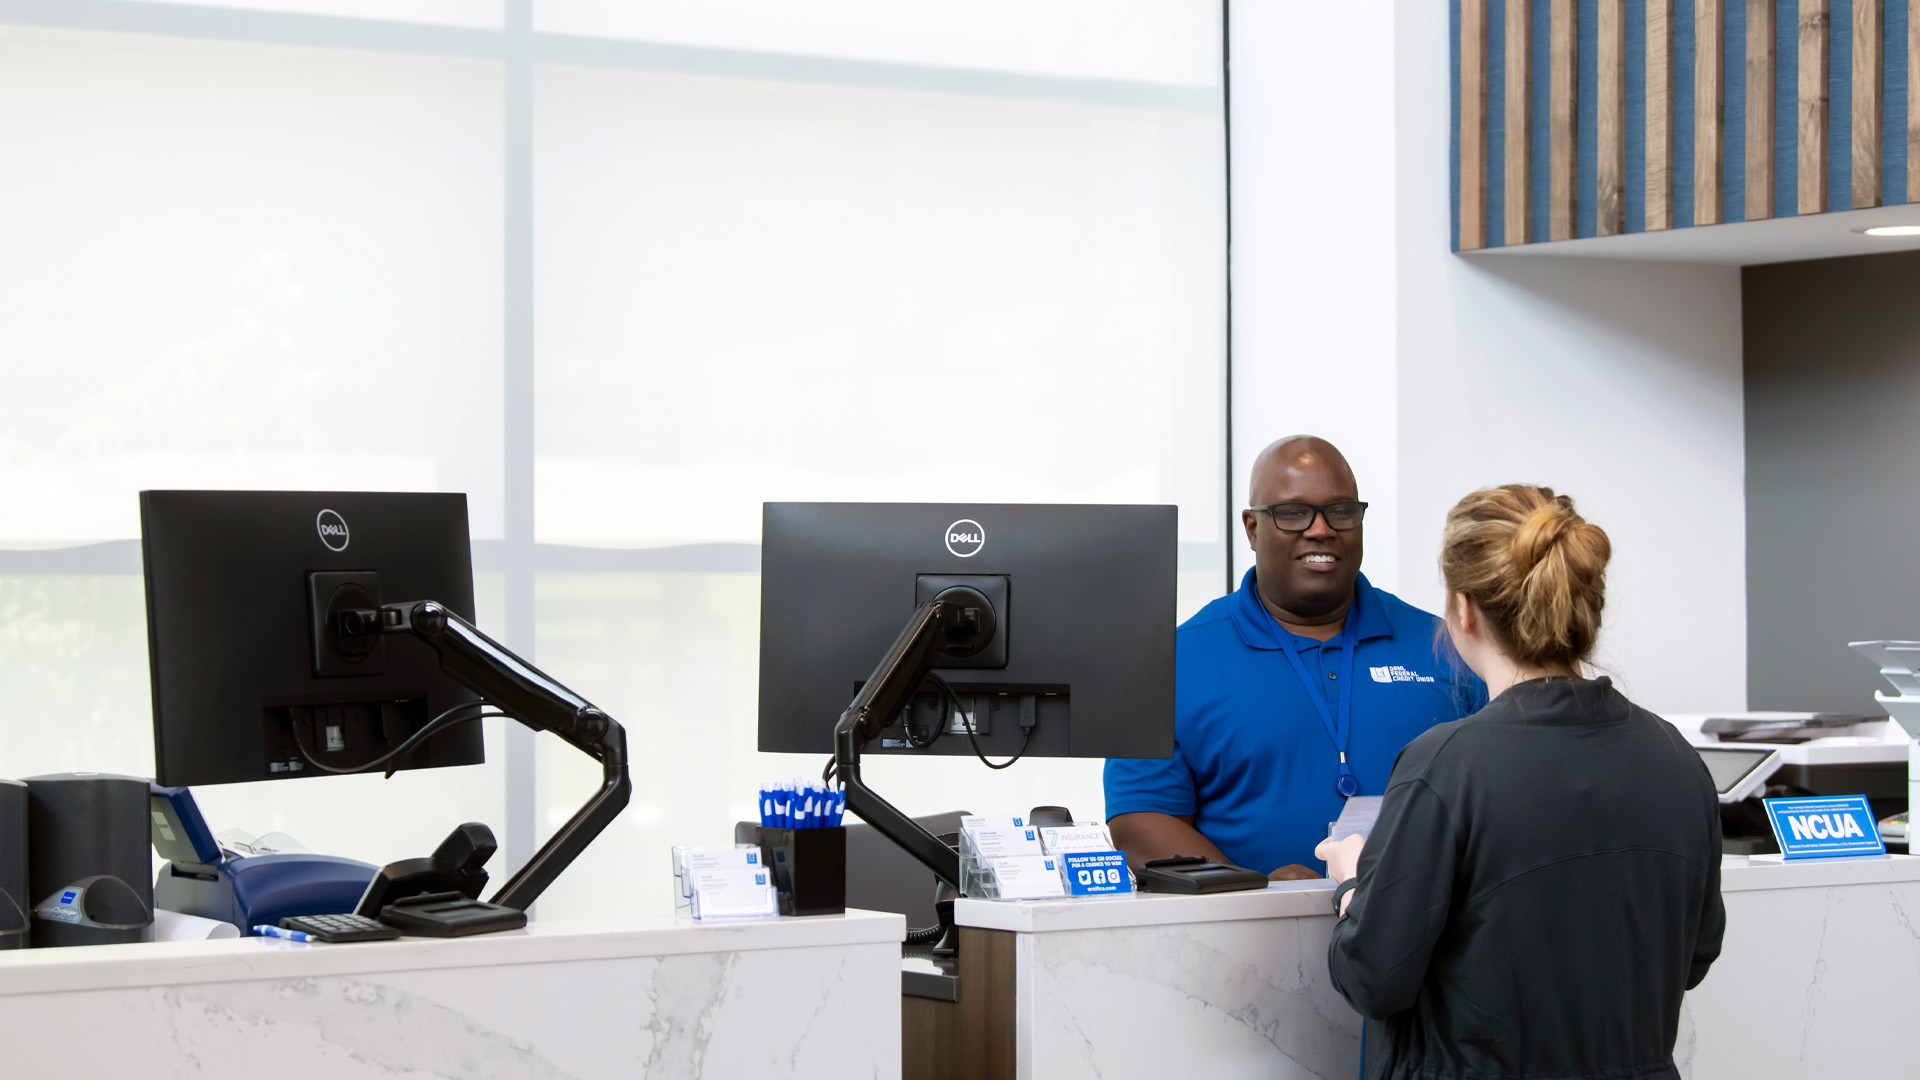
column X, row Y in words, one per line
column 1395, row 673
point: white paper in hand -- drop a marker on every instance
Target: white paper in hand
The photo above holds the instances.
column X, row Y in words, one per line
column 1356, row 818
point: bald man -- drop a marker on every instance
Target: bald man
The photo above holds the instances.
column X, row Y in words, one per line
column 1294, row 692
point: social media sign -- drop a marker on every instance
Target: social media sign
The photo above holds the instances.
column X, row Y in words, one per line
column 1096, row 873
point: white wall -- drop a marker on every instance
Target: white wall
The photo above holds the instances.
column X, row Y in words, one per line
column 1617, row 383
column 1313, row 277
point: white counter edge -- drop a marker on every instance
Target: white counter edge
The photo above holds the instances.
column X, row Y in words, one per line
column 174, row 963
column 1306, row 899
column 1279, row 900
column 1738, row 874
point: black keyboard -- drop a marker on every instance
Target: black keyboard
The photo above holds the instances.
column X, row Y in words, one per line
column 340, row 927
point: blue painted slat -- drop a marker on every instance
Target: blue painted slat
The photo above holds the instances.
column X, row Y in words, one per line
column 1683, row 57
column 1541, row 143
column 1636, row 115
column 1840, row 105
column 1733, row 124
column 1496, row 123
column 1786, row 97
column 1587, row 126
column 1893, row 107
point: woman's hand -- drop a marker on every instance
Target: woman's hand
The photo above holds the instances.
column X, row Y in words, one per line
column 1341, row 856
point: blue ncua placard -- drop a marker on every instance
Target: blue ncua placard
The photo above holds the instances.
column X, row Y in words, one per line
column 1825, row 827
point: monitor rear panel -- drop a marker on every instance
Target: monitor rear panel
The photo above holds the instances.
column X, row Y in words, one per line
column 230, row 638
column 1088, row 630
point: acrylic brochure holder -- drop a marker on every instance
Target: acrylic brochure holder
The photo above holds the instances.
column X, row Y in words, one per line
column 1041, row 872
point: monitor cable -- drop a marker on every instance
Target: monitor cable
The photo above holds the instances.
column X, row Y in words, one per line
column 947, row 698
column 953, row 701
column 940, row 726
column 444, row 722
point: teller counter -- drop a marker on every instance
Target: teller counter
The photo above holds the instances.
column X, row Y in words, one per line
column 802, row 998
column 1819, row 978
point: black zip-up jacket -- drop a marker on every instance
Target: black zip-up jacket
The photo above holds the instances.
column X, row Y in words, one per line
column 1542, row 886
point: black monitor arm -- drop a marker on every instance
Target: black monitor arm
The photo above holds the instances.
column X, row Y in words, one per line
column 527, row 694
column 949, row 624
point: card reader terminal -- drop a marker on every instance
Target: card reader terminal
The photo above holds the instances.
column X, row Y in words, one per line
column 1194, row 874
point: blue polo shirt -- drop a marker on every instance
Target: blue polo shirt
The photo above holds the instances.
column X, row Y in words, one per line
column 1252, row 760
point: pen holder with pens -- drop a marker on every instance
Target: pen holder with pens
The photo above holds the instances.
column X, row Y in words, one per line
column 809, row 866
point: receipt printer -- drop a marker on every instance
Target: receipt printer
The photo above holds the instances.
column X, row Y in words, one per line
column 245, row 890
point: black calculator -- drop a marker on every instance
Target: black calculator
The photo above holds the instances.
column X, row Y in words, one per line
column 340, row 927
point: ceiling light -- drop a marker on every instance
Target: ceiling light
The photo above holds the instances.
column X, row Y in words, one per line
column 1893, row 230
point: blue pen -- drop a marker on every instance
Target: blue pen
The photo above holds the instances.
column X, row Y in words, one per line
column 273, row 931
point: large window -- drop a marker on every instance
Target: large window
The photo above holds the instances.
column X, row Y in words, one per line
column 621, row 272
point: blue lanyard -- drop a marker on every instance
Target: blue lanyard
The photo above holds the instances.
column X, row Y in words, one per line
column 1341, row 732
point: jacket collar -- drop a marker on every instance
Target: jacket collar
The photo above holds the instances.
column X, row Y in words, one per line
column 1366, row 620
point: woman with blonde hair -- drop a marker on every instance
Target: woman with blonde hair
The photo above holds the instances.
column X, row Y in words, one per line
column 1543, row 882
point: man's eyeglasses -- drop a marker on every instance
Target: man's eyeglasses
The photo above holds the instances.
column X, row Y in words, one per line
column 1298, row 516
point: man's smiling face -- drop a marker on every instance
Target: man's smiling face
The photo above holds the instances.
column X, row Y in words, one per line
column 1306, row 574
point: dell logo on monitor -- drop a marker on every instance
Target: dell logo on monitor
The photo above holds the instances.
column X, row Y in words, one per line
column 333, row 530
column 965, row 538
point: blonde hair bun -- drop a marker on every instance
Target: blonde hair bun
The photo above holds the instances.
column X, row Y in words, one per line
column 1535, row 568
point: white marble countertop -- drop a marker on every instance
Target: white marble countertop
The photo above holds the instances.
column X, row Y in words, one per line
column 1739, row 873
column 1294, row 899
column 1279, row 900
column 171, row 963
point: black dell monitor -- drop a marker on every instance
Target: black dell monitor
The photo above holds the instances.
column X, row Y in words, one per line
column 248, row 684
column 1078, row 661
column 964, row 628
column 299, row 633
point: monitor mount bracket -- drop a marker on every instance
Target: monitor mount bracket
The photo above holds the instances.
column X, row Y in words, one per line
column 527, row 694
column 958, row 622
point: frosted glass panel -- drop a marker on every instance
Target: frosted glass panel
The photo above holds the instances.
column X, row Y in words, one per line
column 243, row 266
column 754, row 291
column 74, row 690
column 1173, row 41
column 482, row 13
